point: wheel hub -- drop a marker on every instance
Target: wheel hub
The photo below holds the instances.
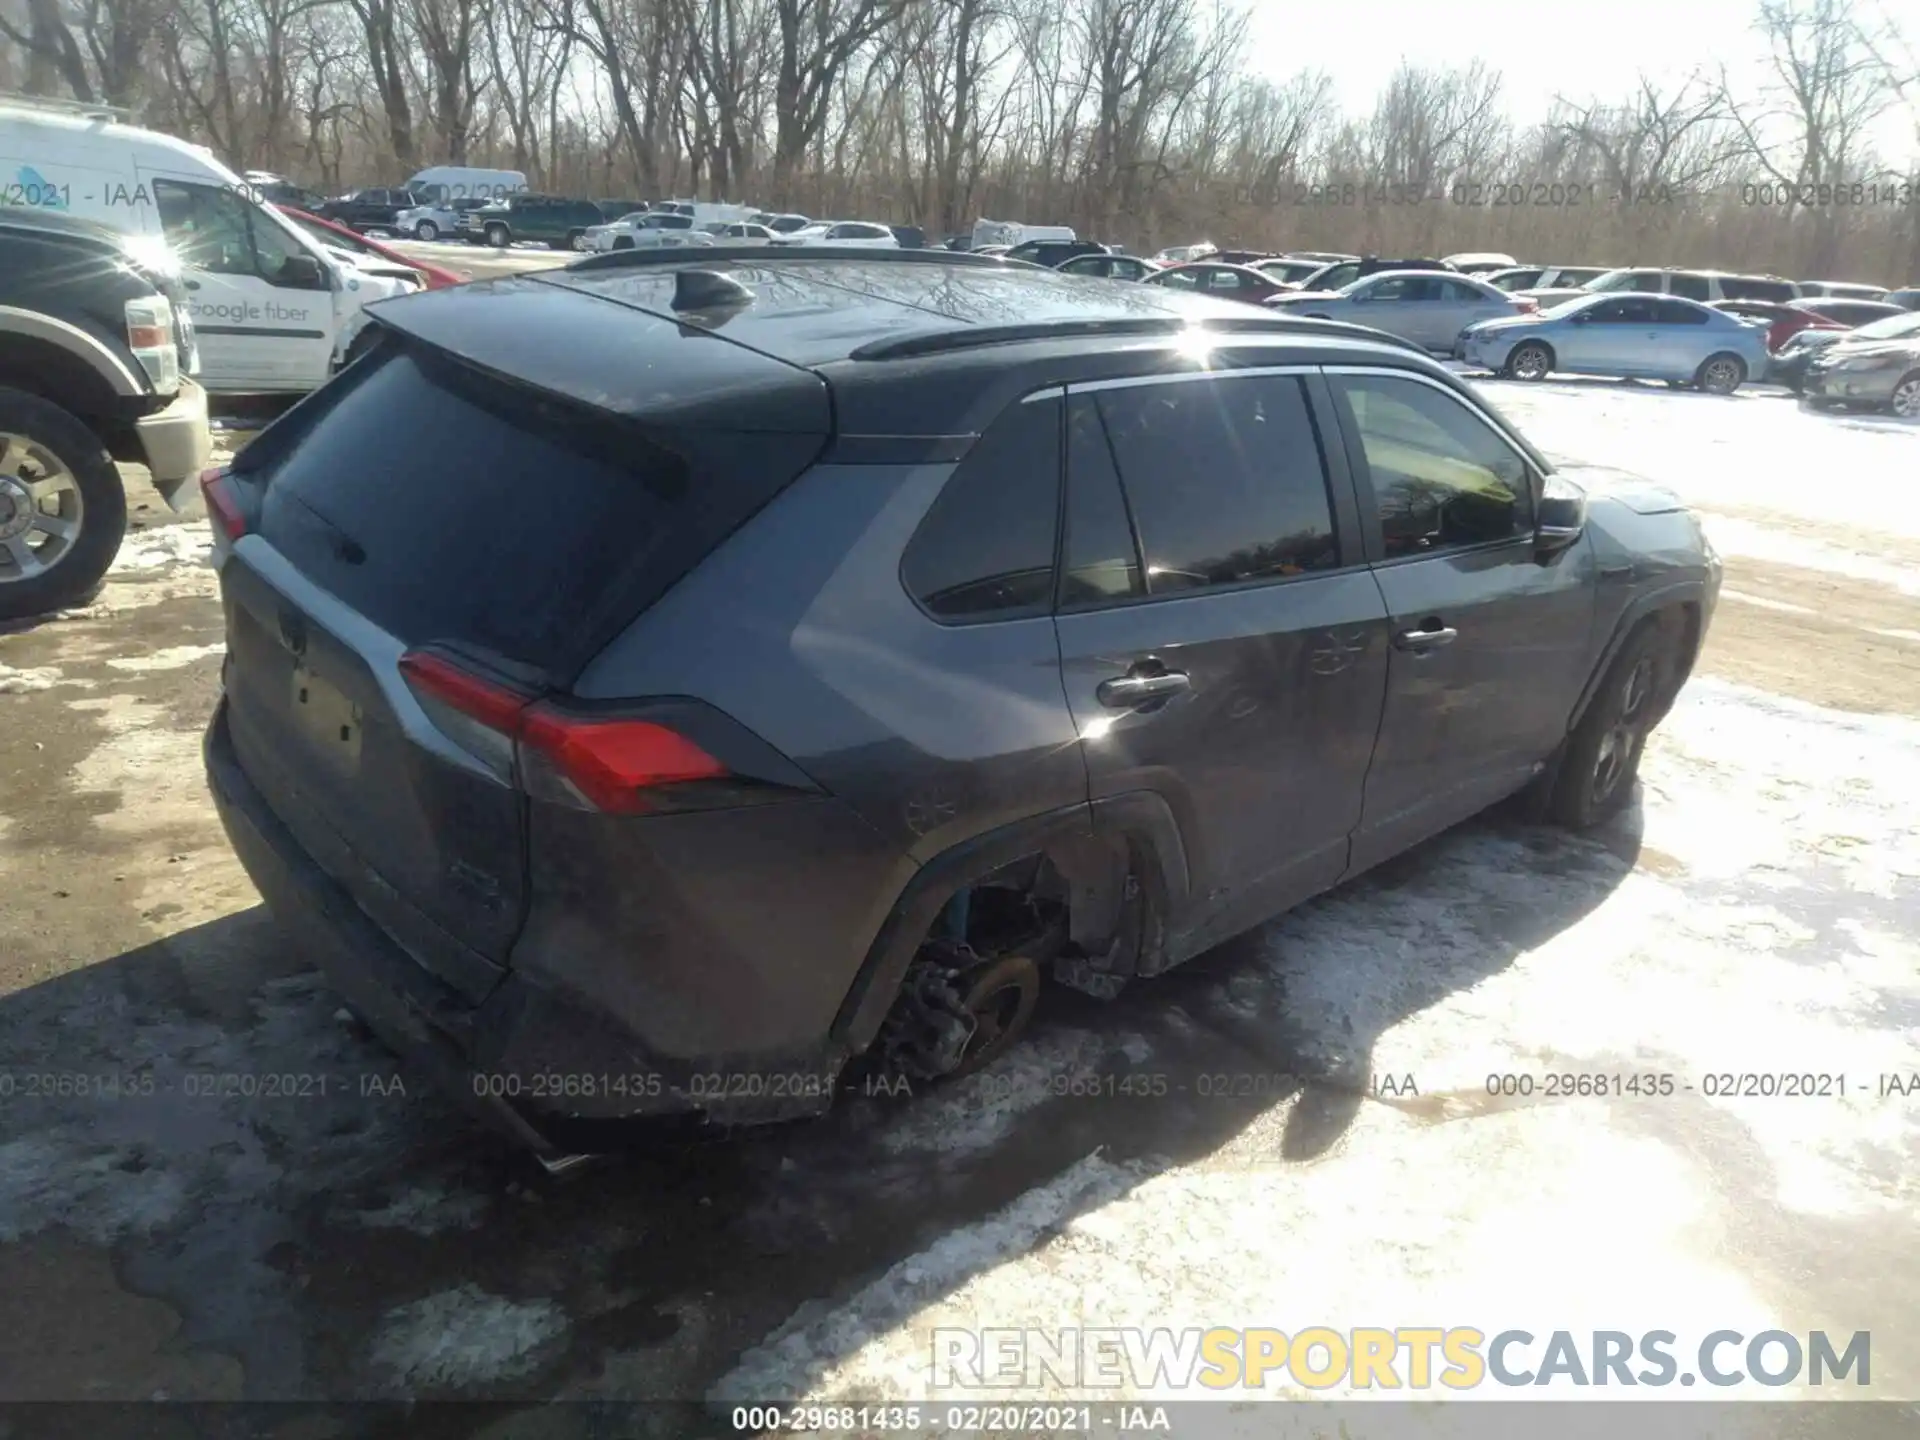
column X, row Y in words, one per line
column 16, row 508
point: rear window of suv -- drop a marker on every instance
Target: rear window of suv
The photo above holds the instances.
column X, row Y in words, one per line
column 1753, row 287
column 444, row 505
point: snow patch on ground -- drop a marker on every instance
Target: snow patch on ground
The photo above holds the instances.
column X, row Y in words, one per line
column 172, row 657
column 163, row 546
column 1752, row 541
column 464, row 1337
column 424, row 1210
column 28, row 680
column 1703, row 447
column 151, row 767
column 980, row 1110
column 802, row 1356
column 102, row 1192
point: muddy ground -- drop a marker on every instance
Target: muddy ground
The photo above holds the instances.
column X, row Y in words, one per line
column 212, row 1186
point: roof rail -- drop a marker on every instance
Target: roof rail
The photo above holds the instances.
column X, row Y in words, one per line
column 88, row 108
column 704, row 256
column 968, row 337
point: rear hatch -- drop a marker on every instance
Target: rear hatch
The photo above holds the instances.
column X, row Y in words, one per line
column 420, row 507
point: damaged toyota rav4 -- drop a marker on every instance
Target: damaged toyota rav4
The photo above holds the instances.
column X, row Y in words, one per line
column 665, row 686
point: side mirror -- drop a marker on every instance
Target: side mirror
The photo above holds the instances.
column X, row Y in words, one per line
column 1560, row 518
column 302, row 272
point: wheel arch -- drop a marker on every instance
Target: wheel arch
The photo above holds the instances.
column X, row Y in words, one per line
column 1098, row 847
column 1678, row 607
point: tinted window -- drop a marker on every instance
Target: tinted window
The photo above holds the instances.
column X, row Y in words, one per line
column 1693, row 287
column 391, row 494
column 1672, row 312
column 1400, row 287
column 1102, row 563
column 1624, row 312
column 1224, row 479
column 1742, row 287
column 985, row 549
column 1442, row 477
column 1458, row 290
column 1518, row 279
column 1225, row 280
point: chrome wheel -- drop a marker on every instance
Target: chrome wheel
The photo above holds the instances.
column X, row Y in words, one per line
column 1530, row 362
column 1905, row 400
column 41, row 509
column 1721, row 375
column 1623, row 738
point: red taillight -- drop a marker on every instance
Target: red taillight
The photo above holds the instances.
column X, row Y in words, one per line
column 611, row 763
column 600, row 764
column 221, row 504
column 494, row 706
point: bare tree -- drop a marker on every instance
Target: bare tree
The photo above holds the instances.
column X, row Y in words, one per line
column 816, row 39
column 387, row 58
column 447, row 32
column 1825, row 91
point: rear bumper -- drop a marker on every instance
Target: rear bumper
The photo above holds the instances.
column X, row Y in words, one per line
column 176, row 441
column 547, row 1072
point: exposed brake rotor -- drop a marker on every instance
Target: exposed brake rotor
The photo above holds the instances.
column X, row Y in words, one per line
column 957, row 1011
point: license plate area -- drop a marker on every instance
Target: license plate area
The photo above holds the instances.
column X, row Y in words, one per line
column 329, row 719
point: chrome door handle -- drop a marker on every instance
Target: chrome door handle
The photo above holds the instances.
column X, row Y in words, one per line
column 1125, row 692
column 1425, row 639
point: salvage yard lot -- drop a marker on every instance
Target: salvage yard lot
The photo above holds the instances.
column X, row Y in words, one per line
column 249, row 1200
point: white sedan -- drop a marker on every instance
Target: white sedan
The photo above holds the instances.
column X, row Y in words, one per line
column 644, row 230
column 843, row 232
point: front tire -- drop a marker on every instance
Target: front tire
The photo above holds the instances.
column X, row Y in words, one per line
column 1721, row 374
column 1905, row 400
column 63, row 512
column 576, row 240
column 497, row 235
column 426, row 230
column 1602, row 758
column 1530, row 360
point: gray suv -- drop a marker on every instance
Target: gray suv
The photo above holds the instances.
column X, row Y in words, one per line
column 671, row 685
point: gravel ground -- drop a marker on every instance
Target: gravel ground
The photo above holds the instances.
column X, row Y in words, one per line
column 352, row 1237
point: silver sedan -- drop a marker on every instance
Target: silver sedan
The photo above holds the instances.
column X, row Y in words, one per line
column 1428, row 307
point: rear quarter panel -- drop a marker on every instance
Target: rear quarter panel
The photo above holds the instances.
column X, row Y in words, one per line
column 920, row 735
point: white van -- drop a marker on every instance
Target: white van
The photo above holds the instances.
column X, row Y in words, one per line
column 1011, row 233
column 274, row 309
column 444, row 184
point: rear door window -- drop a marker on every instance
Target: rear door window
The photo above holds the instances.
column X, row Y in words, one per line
column 1224, row 479
column 1692, row 287
column 1673, row 312
column 444, row 505
column 985, row 549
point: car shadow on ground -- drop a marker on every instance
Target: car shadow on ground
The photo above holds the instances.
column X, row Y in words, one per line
column 311, row 1208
